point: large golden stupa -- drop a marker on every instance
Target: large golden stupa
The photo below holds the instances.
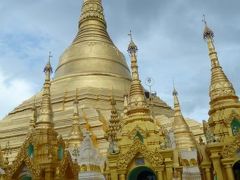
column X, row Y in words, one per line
column 94, row 107
column 94, row 67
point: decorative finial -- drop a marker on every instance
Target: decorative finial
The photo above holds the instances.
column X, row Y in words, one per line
column 132, row 48
column 175, row 93
column 49, row 56
column 204, row 19
column 130, row 35
column 208, row 33
column 177, row 110
column 48, row 67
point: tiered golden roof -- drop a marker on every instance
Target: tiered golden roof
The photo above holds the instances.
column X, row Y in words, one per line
column 136, row 100
column 93, row 57
column 76, row 135
column 183, row 136
column 114, row 122
column 220, row 87
column 114, row 128
column 45, row 120
column 223, row 99
column 221, row 151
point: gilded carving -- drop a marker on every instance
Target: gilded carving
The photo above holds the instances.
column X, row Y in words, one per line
column 154, row 157
column 230, row 150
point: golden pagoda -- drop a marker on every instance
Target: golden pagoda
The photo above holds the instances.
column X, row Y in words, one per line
column 220, row 157
column 185, row 146
column 76, row 135
column 137, row 136
column 183, row 136
column 93, row 65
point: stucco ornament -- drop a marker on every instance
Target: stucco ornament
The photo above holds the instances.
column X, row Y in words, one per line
column 154, row 157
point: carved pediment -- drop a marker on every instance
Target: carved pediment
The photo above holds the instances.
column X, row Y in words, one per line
column 153, row 157
column 66, row 163
column 21, row 161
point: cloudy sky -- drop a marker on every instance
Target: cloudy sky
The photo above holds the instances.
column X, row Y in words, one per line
column 168, row 34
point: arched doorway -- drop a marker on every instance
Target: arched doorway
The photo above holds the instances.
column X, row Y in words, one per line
column 142, row 173
column 236, row 170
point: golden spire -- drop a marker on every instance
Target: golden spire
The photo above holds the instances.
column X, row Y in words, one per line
column 220, row 86
column 136, row 97
column 46, row 117
column 76, row 136
column 114, row 128
column 92, row 24
column 114, row 122
column 183, row 136
column 177, row 108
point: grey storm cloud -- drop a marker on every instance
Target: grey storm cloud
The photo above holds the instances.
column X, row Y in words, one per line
column 167, row 32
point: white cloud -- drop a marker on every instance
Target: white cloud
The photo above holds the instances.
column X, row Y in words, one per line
column 13, row 92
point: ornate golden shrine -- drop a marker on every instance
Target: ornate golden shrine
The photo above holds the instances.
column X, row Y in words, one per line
column 137, row 137
column 43, row 154
column 222, row 149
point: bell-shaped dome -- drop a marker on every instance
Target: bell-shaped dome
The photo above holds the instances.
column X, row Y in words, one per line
column 92, row 60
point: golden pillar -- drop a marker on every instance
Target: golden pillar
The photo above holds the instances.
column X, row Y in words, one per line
column 160, row 175
column 228, row 167
column 229, row 171
column 114, row 175
column 206, row 170
column 208, row 173
column 169, row 168
column 217, row 165
column 122, row 177
column 107, row 176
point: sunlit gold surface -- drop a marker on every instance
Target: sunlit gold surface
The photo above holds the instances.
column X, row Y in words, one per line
column 183, row 136
column 139, row 136
column 93, row 65
column 220, row 153
column 222, row 94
